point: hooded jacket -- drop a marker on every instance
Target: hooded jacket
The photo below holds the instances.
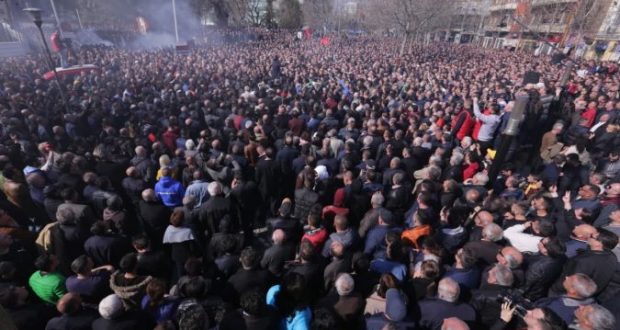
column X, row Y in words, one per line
column 170, row 191
column 130, row 294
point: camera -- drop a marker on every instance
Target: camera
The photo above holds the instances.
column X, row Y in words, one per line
column 516, row 299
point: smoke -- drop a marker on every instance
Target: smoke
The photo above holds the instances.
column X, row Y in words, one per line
column 88, row 37
column 161, row 32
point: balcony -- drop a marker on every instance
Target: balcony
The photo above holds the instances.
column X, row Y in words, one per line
column 540, row 3
column 504, row 6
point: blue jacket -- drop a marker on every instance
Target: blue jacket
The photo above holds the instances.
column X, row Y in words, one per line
column 170, row 191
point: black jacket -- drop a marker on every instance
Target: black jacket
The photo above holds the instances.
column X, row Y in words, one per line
column 304, row 200
column 213, row 210
column 600, row 266
column 485, row 302
column 540, row 275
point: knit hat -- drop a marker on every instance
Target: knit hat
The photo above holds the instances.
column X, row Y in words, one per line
column 395, row 306
column 110, row 307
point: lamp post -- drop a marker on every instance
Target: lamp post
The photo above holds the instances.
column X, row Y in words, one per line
column 38, row 21
column 174, row 17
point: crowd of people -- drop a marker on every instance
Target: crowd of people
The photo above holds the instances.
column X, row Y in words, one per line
column 283, row 184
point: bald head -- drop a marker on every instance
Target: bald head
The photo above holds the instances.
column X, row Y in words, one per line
column 584, row 232
column 148, row 195
column 454, row 323
column 483, row 218
column 278, row 236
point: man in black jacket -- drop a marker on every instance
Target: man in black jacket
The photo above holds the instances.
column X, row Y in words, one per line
column 154, row 216
column 280, row 252
column 215, row 208
column 485, row 300
column 599, row 263
column 250, row 276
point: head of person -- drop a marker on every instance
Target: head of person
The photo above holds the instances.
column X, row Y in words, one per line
column 594, row 317
column 155, row 290
column 454, row 323
column 543, row 318
column 510, row 257
column 492, row 232
column 82, row 265
column 249, row 258
column 69, row 304
column 344, row 284
column 386, row 281
column 465, row 258
column 46, row 263
column 553, row 247
column 293, row 294
column 501, row 275
column 214, row 188
column 129, row 263
column 483, row 218
column 278, row 237
column 603, row 240
column 448, row 290
column 579, row 286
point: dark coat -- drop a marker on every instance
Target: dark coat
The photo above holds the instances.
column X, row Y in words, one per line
column 107, row 249
column 213, row 210
column 433, row 311
column 600, row 266
column 486, row 304
column 540, row 276
column 275, row 256
column 304, row 200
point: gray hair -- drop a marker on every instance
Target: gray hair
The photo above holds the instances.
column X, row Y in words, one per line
column 601, row 318
column 493, row 232
column 65, row 215
column 481, row 178
column 448, row 290
column 417, row 141
column 558, row 125
column 433, row 173
column 377, row 199
column 214, row 188
column 583, row 285
column 511, row 261
column 467, row 141
column 503, row 275
column 456, row 158
column 344, row 284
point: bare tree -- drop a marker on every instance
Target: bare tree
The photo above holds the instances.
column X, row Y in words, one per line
column 413, row 18
column 318, row 13
column 588, row 16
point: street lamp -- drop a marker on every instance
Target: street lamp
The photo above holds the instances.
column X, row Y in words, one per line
column 38, row 21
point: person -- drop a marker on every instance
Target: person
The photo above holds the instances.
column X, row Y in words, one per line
column 433, row 311
column 484, row 299
column 395, row 313
column 181, row 242
column 91, row 283
column 157, row 304
column 291, row 300
column 168, row 190
column 24, row 312
column 127, row 284
column 280, row 252
column 593, row 263
column 114, row 316
column 47, row 283
column 250, row 276
column 73, row 315
column 579, row 291
column 593, row 316
column 542, row 270
column 348, row 304
column 253, row 314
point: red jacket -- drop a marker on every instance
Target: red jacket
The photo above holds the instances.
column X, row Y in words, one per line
column 470, row 170
column 466, row 120
column 590, row 115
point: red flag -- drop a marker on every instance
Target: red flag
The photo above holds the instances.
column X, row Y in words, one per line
column 325, row 41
